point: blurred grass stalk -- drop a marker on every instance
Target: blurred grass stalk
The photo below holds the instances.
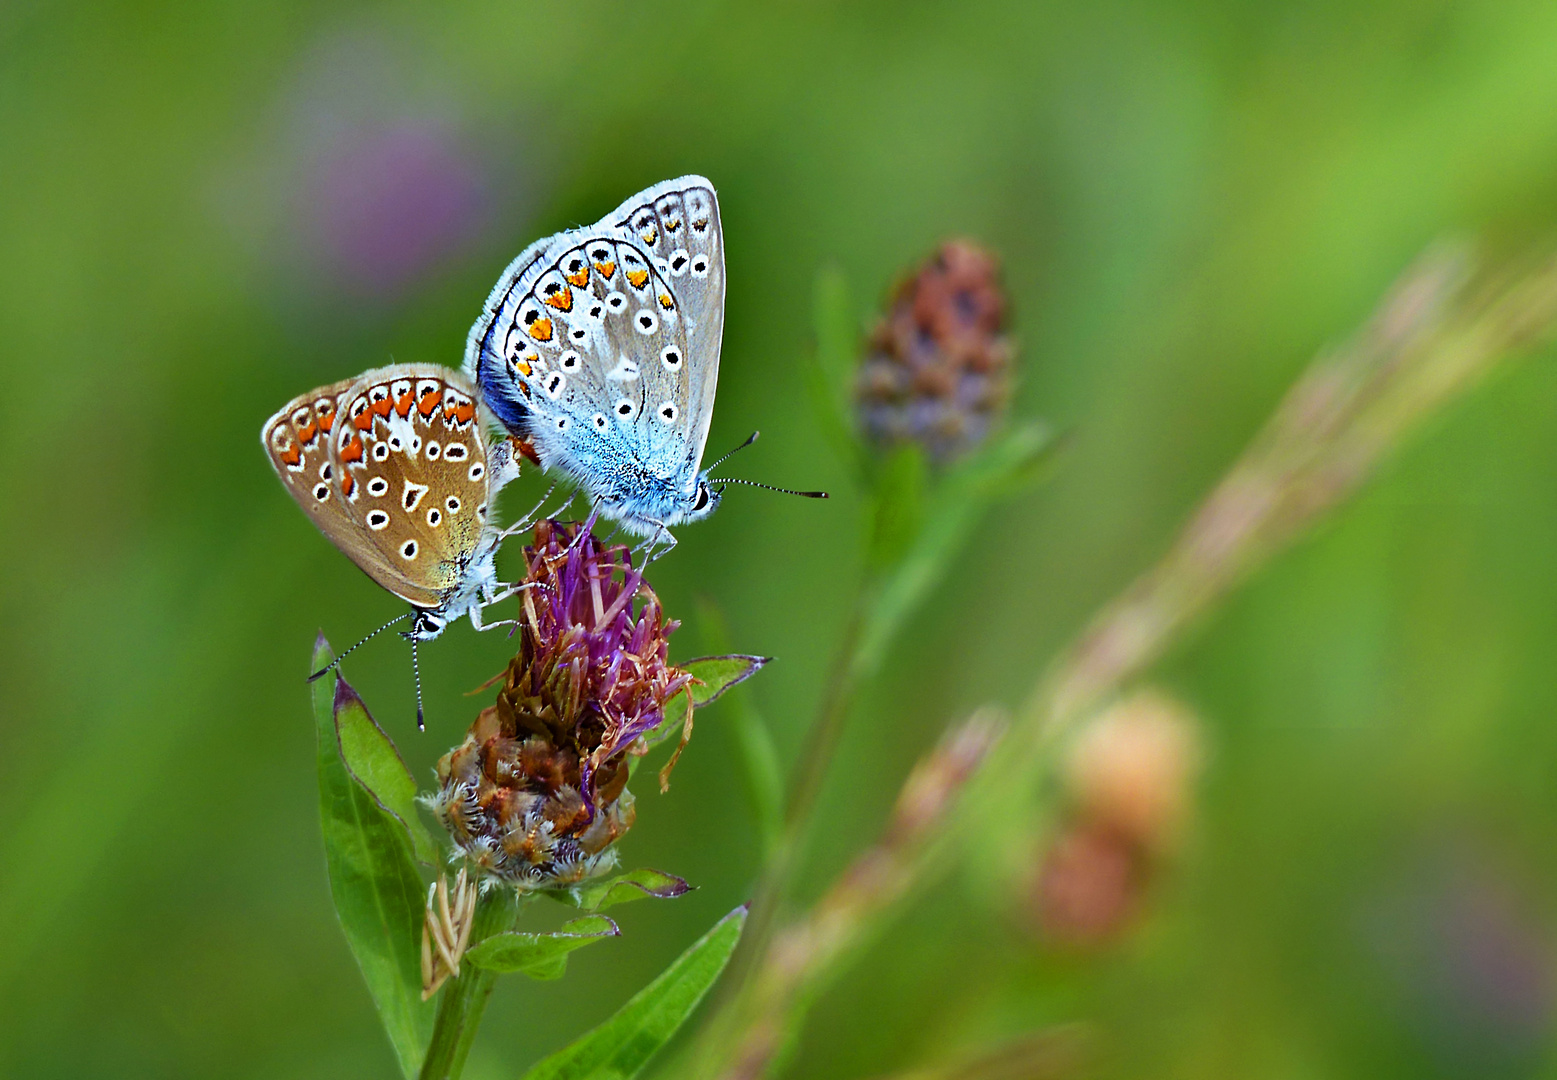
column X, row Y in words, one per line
column 915, row 525
column 1440, row 330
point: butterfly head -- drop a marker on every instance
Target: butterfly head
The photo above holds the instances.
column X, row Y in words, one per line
column 704, row 501
column 427, row 624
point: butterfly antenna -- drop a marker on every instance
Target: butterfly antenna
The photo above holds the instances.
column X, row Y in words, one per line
column 416, row 673
column 770, row 487
column 749, row 440
column 337, row 661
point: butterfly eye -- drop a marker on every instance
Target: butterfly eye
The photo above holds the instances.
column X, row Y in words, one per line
column 702, row 498
column 322, row 492
column 377, row 486
column 408, row 550
column 645, row 322
column 434, row 517
column 477, row 471
column 667, row 412
column 380, row 451
column 671, row 357
column 377, row 520
column 624, row 408
column 433, row 449
column 700, row 266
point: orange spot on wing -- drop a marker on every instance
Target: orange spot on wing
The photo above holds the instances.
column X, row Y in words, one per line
column 353, row 451
column 580, row 279
column 562, row 299
column 326, row 421
column 666, row 302
column 307, row 432
column 429, row 403
column 291, row 456
column 521, row 367
column 348, row 484
column 383, row 406
column 606, row 269
column 637, row 277
column 403, row 406
column 363, row 420
column 464, row 413
column 540, row 329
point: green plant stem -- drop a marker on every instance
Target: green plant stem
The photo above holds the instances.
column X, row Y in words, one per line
column 805, row 788
column 465, row 998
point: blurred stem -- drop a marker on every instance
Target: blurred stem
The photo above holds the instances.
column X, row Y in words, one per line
column 915, row 530
column 810, row 772
column 746, row 1039
column 465, row 998
column 764, row 777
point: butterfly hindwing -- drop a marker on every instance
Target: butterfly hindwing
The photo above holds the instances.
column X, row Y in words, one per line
column 416, row 479
column 297, row 442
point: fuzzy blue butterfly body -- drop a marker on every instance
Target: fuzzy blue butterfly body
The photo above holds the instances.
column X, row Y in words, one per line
column 600, row 347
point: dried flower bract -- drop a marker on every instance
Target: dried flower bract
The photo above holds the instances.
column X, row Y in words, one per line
column 446, row 930
column 537, row 793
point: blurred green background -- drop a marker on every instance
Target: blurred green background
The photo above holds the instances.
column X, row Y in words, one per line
column 206, row 208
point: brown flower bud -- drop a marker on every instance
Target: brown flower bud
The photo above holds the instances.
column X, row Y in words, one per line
column 938, row 368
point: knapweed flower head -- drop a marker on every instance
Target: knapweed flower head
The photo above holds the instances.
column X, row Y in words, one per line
column 537, row 793
column 937, row 371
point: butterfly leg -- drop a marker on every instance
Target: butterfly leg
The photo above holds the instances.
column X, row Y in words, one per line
column 475, row 609
column 530, row 518
column 648, row 546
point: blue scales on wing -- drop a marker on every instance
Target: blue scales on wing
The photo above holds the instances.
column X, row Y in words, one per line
column 601, row 347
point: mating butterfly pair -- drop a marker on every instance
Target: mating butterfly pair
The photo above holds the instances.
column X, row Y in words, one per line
column 598, row 348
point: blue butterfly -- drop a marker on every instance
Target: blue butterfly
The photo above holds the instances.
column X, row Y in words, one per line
column 600, row 347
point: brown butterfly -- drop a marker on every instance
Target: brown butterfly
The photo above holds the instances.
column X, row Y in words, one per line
column 393, row 468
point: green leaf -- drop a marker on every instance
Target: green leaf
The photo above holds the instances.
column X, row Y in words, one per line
column 540, row 956
column 829, row 370
column 373, row 760
column 619, row 1048
column 374, row 882
column 633, row 885
column 954, row 506
column 714, row 675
